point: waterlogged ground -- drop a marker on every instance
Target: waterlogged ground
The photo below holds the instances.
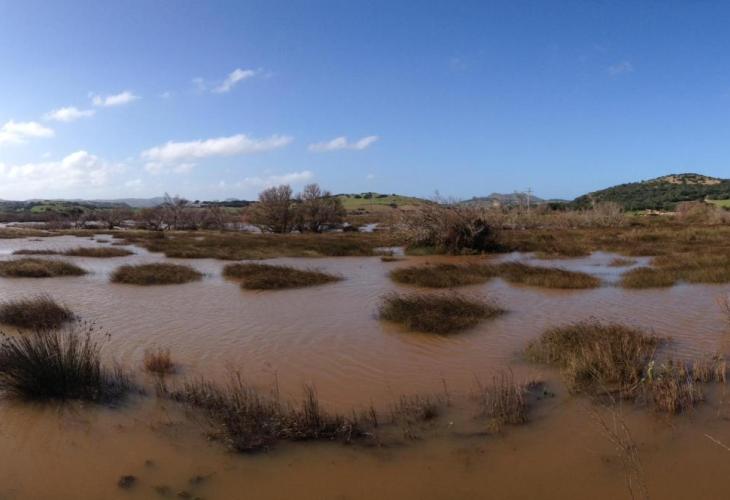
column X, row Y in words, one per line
column 329, row 336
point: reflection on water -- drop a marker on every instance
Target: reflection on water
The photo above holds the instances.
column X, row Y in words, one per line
column 330, row 336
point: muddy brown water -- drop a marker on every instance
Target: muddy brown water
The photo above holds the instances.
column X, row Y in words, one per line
column 329, row 336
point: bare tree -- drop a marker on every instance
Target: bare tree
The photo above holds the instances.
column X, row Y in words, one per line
column 274, row 211
column 318, row 210
column 152, row 218
column 175, row 208
column 113, row 216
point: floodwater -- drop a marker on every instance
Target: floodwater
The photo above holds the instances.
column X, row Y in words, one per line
column 329, row 337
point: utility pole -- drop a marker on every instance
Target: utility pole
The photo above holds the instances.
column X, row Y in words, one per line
column 529, row 193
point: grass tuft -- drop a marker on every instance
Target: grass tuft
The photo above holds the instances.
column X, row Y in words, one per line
column 442, row 275
column 268, row 277
column 98, row 252
column 596, row 357
column 436, row 313
column 155, row 274
column 36, row 313
column 159, row 362
column 58, row 365
column 547, row 277
column 38, row 268
column 503, row 401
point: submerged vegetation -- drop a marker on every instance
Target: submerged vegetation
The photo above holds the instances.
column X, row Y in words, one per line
column 58, row 364
column 159, row 362
column 38, row 268
column 547, row 277
column 249, row 420
column 36, row 313
column 436, row 313
column 270, row 277
column 155, row 274
column 505, row 402
column 688, row 267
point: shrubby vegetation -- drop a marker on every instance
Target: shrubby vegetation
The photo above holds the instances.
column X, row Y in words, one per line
column 155, row 274
column 38, row 268
column 37, row 313
column 269, row 277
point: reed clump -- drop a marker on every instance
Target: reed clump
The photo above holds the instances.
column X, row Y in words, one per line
column 159, row 362
column 38, row 268
column 546, row 277
column 155, row 274
column 436, row 313
column 269, row 277
column 60, row 364
column 36, row 313
column 248, row 420
column 443, row 275
column 504, row 401
column 98, row 252
column 596, row 357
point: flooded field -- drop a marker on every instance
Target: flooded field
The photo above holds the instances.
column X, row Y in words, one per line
column 330, row 337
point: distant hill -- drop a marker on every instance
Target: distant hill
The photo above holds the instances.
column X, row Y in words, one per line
column 662, row 193
column 501, row 199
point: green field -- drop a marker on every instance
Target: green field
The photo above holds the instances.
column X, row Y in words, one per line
column 720, row 203
column 375, row 201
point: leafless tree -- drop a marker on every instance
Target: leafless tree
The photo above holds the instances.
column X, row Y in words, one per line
column 152, row 218
column 274, row 211
column 318, row 210
column 113, row 216
column 175, row 208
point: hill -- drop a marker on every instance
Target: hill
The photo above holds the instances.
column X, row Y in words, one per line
column 662, row 193
column 508, row 199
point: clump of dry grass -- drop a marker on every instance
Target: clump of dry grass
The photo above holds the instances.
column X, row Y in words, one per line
column 411, row 413
column 622, row 262
column 503, row 401
column 268, row 277
column 159, row 362
column 390, row 258
column 547, row 277
column 443, row 275
column 648, row 277
column 596, row 357
column 98, row 252
column 37, row 313
column 155, row 274
column 671, row 387
column 38, row 268
column 248, row 420
column 58, row 364
column 436, row 313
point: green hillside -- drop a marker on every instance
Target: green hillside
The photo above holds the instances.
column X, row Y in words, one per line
column 662, row 193
column 376, row 201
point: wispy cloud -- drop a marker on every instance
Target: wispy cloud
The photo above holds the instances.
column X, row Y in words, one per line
column 342, row 143
column 48, row 178
column 275, row 180
column 13, row 132
column 620, row 68
column 109, row 101
column 68, row 114
column 179, row 157
column 236, row 76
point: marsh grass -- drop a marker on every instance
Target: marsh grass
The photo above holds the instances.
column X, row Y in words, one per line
column 443, row 275
column 36, row 313
column 61, row 364
column 38, row 268
column 688, row 267
column 546, row 277
column 249, row 420
column 436, row 313
column 412, row 413
column 504, row 402
column 671, row 387
column 622, row 262
column 596, row 357
column 98, row 252
column 245, row 246
column 159, row 362
column 155, row 274
column 390, row 258
column 270, row 277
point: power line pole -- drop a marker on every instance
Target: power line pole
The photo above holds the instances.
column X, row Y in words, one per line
column 529, row 193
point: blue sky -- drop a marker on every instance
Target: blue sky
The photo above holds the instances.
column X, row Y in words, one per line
column 213, row 100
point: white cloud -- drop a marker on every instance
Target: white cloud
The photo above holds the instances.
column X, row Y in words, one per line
column 155, row 167
column 52, row 178
column 620, row 68
column 133, row 183
column 19, row 132
column 68, row 114
column 186, row 152
column 342, row 143
column 114, row 100
column 237, row 75
column 275, row 180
